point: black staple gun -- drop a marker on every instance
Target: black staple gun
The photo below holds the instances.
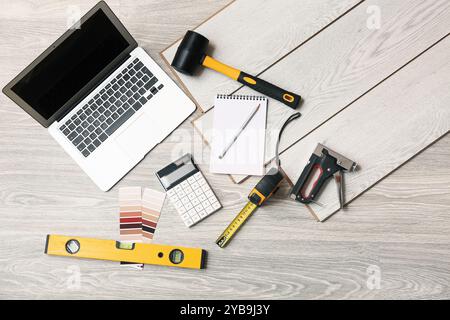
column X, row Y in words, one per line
column 322, row 165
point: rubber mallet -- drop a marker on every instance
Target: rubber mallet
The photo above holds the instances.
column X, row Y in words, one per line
column 192, row 53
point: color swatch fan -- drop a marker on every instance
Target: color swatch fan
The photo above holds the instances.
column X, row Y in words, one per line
column 152, row 202
column 139, row 215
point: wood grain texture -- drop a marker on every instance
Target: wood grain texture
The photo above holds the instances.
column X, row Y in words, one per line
column 348, row 60
column 401, row 225
column 251, row 35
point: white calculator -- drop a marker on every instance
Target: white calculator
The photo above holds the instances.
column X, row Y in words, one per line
column 188, row 190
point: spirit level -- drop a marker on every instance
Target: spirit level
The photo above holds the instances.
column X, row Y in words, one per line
column 147, row 253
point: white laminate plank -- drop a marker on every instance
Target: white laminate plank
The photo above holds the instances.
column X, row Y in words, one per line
column 344, row 62
column 383, row 129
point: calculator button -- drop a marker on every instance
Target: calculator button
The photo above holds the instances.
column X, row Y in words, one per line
column 209, row 193
column 202, row 214
column 205, row 187
column 177, row 204
column 198, row 175
column 192, row 212
column 191, row 196
column 196, row 218
column 195, row 185
column 195, row 201
column 181, row 193
column 202, row 197
column 216, row 205
column 188, row 189
column 185, row 216
column 205, row 204
column 209, row 209
column 174, row 198
column 198, row 208
column 171, row 192
column 212, row 199
column 202, row 181
column 181, row 210
column 188, row 206
column 184, row 184
column 185, row 200
column 198, row 192
column 188, row 222
column 191, row 179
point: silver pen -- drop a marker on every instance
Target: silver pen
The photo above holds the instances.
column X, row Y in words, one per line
column 240, row 131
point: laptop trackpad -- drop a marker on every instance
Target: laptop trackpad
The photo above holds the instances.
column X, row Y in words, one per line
column 139, row 137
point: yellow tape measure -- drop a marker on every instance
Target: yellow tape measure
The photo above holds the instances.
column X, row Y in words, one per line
column 263, row 190
column 237, row 222
column 147, row 253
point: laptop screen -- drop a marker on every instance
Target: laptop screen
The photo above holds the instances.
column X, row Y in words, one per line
column 71, row 65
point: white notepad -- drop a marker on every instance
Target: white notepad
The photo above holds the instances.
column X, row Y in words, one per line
column 246, row 155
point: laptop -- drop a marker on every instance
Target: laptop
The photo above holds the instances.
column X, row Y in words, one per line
column 102, row 98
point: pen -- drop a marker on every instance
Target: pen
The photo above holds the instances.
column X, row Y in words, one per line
column 240, row 131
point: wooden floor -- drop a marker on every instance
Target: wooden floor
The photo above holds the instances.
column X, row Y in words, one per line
column 392, row 242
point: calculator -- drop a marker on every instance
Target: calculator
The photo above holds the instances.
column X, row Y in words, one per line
column 188, row 190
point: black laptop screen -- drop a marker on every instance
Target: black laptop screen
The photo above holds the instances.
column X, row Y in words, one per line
column 70, row 66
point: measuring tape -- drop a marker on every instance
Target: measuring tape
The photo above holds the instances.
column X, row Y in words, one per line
column 237, row 222
column 147, row 253
column 265, row 188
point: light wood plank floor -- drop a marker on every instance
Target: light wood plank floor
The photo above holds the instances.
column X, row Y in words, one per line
column 398, row 230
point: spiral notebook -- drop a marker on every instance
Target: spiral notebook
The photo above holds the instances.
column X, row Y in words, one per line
column 246, row 154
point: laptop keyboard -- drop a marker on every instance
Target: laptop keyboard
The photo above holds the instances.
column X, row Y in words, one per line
column 114, row 104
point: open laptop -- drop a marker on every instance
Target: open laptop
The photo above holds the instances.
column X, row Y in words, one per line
column 102, row 98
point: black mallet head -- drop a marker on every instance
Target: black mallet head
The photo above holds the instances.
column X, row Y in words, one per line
column 190, row 53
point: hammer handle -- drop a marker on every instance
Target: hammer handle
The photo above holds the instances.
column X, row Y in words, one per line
column 288, row 98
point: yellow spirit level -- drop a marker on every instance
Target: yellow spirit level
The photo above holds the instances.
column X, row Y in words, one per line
column 265, row 188
column 147, row 253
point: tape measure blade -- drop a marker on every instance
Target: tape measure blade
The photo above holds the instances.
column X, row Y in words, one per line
column 236, row 224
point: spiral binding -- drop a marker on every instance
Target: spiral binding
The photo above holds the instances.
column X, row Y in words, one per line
column 240, row 97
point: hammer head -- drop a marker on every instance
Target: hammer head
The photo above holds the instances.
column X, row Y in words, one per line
column 190, row 53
